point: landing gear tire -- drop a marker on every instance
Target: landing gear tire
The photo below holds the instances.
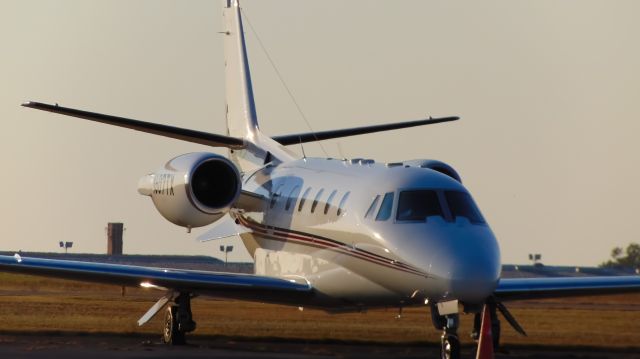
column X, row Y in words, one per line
column 178, row 320
column 450, row 347
column 172, row 334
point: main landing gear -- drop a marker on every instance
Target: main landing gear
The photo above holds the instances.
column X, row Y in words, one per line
column 178, row 320
column 449, row 342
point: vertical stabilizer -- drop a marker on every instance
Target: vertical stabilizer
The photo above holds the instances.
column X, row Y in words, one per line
column 241, row 111
column 242, row 121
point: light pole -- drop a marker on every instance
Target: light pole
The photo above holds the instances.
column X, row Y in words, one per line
column 535, row 258
column 66, row 246
column 226, row 250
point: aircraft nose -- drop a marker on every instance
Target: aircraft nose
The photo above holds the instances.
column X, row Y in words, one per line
column 467, row 266
column 472, row 284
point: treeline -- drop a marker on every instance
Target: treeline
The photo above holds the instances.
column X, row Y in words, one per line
column 627, row 258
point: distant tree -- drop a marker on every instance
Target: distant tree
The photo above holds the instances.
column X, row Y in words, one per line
column 630, row 259
column 616, row 253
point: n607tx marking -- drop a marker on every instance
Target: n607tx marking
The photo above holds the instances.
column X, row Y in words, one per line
column 163, row 184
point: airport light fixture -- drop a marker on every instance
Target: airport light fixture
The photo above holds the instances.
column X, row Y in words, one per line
column 66, row 246
column 535, row 258
column 226, row 250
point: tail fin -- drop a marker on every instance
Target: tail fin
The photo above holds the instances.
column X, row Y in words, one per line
column 242, row 121
column 241, row 110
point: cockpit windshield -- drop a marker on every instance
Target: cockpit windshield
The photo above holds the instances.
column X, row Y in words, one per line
column 417, row 205
column 461, row 204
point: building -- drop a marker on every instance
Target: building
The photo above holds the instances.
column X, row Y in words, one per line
column 114, row 238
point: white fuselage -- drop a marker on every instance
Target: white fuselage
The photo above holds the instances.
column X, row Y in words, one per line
column 321, row 224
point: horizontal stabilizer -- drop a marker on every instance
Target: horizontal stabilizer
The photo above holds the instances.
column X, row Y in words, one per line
column 225, row 227
column 326, row 135
column 203, row 138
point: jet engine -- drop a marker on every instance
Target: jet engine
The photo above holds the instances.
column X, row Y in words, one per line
column 193, row 190
column 436, row 166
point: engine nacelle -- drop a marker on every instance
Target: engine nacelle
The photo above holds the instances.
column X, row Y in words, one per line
column 193, row 190
column 436, row 166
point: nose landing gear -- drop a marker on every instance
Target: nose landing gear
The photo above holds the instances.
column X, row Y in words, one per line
column 449, row 342
column 450, row 345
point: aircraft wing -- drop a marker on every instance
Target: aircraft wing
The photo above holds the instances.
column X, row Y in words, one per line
column 231, row 285
column 184, row 134
column 536, row 288
column 346, row 132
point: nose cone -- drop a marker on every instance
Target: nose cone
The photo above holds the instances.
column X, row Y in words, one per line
column 466, row 265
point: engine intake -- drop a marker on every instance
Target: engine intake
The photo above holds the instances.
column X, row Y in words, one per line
column 193, row 190
column 214, row 184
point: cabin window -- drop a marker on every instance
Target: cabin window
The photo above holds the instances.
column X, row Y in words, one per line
column 343, row 201
column 329, row 200
column 293, row 195
column 461, row 204
column 385, row 208
column 315, row 201
column 275, row 196
column 417, row 205
column 373, row 206
column 303, row 198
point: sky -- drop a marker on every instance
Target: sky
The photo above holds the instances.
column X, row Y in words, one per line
column 548, row 93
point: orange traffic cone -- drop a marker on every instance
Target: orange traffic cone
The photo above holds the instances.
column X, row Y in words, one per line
column 485, row 342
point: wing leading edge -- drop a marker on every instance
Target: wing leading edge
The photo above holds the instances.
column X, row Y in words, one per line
column 537, row 288
column 230, row 285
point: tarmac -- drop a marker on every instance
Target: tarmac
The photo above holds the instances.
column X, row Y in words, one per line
column 98, row 346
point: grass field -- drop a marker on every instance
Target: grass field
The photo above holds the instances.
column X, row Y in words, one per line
column 33, row 304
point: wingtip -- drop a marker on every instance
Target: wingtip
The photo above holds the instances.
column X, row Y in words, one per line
column 39, row 105
column 443, row 119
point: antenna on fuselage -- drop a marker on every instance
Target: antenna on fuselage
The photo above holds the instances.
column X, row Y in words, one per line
column 304, row 156
column 340, row 151
column 282, row 81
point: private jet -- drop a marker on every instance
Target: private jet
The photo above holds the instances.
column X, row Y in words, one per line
column 337, row 234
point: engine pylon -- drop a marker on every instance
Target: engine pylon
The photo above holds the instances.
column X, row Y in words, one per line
column 485, row 342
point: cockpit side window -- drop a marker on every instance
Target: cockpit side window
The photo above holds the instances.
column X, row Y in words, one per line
column 461, row 204
column 372, row 207
column 417, row 205
column 385, row 208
